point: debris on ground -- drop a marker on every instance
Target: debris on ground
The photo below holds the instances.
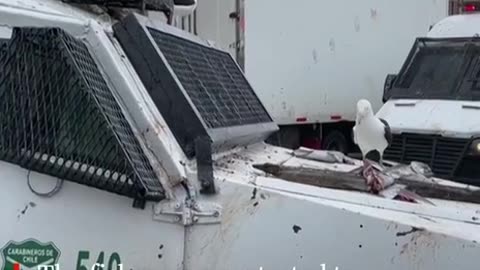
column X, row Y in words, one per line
column 407, row 184
column 375, row 177
column 324, row 156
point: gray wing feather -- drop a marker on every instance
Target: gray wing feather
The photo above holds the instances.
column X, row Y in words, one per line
column 388, row 131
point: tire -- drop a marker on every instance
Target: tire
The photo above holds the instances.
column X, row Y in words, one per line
column 335, row 141
column 289, row 137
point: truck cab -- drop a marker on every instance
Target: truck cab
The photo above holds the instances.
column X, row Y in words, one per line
column 433, row 103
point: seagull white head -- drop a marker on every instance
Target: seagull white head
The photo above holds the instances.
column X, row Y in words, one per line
column 364, row 108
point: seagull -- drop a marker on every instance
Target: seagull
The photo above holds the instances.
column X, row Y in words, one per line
column 373, row 136
column 370, row 133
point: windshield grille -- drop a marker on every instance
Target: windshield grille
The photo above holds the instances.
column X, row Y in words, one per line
column 59, row 117
column 210, row 77
column 438, row 69
column 199, row 90
column 434, row 71
column 159, row 5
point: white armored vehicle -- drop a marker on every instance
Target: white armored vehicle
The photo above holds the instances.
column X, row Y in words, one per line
column 432, row 104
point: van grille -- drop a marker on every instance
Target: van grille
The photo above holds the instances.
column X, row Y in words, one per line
column 442, row 154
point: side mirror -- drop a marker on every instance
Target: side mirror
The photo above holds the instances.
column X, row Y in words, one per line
column 389, row 81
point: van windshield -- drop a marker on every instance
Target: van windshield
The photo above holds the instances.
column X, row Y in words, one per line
column 439, row 69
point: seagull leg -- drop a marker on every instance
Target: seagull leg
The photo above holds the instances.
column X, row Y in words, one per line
column 381, row 159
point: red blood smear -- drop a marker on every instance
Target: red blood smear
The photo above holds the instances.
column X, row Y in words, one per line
column 16, row 266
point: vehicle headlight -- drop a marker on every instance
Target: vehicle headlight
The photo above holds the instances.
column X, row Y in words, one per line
column 475, row 148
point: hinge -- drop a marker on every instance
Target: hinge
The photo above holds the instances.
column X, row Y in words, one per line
column 187, row 213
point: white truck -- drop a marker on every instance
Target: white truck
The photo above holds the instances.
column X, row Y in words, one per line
column 126, row 143
column 311, row 61
column 432, row 104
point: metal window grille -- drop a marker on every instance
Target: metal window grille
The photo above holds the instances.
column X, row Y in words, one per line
column 200, row 90
column 59, row 117
column 112, row 3
column 160, row 5
column 213, row 81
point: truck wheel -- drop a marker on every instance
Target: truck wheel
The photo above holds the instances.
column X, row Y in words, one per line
column 289, row 137
column 335, row 141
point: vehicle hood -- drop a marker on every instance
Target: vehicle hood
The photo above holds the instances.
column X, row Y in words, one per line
column 459, row 119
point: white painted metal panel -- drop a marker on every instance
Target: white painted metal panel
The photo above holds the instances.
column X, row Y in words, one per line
column 314, row 59
column 79, row 218
column 268, row 223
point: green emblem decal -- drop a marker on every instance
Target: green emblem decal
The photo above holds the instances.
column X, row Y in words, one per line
column 29, row 254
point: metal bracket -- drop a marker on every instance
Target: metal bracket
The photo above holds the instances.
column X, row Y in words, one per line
column 203, row 153
column 187, row 213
